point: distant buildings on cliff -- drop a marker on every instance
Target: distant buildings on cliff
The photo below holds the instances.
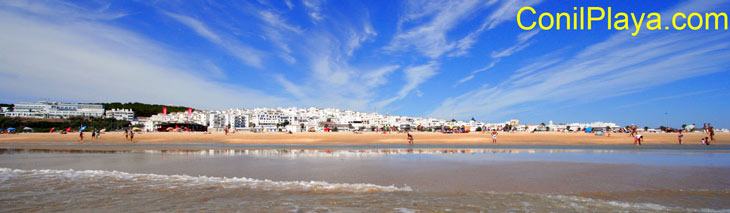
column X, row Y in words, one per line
column 65, row 110
column 280, row 119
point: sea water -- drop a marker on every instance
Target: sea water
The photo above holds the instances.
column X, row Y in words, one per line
column 376, row 179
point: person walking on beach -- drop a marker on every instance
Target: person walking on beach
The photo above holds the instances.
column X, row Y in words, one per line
column 704, row 128
column 410, row 138
column 711, row 130
column 494, row 136
column 131, row 136
column 93, row 134
column 81, row 137
column 126, row 134
column 680, row 137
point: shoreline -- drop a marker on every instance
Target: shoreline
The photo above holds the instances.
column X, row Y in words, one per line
column 348, row 140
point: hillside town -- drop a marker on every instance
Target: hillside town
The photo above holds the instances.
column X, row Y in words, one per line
column 290, row 119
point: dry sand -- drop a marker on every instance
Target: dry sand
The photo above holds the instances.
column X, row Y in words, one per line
column 348, row 138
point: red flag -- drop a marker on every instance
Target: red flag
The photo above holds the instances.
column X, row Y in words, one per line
column 190, row 112
column 176, row 127
column 164, row 112
column 51, row 130
column 69, row 129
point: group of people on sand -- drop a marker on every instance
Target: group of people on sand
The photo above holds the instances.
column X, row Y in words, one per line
column 707, row 128
column 410, row 137
column 95, row 134
column 129, row 135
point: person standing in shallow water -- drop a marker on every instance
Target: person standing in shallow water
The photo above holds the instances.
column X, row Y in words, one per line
column 410, row 138
column 680, row 137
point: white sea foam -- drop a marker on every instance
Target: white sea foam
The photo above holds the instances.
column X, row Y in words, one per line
column 176, row 181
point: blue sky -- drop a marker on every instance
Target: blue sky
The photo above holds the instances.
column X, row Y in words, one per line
column 443, row 59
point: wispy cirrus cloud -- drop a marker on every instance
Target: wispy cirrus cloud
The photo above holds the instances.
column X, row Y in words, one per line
column 330, row 78
column 664, row 98
column 414, row 76
column 245, row 53
column 504, row 12
column 522, row 43
column 621, row 64
column 314, row 9
column 279, row 32
column 429, row 38
column 91, row 60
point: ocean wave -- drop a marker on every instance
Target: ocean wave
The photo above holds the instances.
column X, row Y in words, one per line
column 187, row 181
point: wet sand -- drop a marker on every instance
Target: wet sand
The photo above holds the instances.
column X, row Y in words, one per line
column 347, row 138
column 456, row 180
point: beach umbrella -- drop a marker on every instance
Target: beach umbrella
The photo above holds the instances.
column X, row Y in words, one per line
column 11, row 129
column 27, row 129
column 82, row 128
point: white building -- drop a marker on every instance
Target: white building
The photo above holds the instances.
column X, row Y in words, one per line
column 55, row 110
column 120, row 114
column 312, row 119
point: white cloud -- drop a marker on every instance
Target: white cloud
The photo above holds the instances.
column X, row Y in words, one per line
column 289, row 4
column 507, row 11
column 196, row 26
column 522, row 43
column 314, row 9
column 332, row 81
column 279, row 32
column 475, row 72
column 90, row 61
column 63, row 9
column 620, row 65
column 246, row 54
column 414, row 76
column 429, row 38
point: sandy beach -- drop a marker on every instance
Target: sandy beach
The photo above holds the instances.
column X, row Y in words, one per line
column 368, row 138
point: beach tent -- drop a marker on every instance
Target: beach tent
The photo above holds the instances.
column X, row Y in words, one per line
column 27, row 129
column 589, row 129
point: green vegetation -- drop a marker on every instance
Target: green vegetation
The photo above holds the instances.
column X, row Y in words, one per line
column 9, row 106
column 45, row 125
column 143, row 110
